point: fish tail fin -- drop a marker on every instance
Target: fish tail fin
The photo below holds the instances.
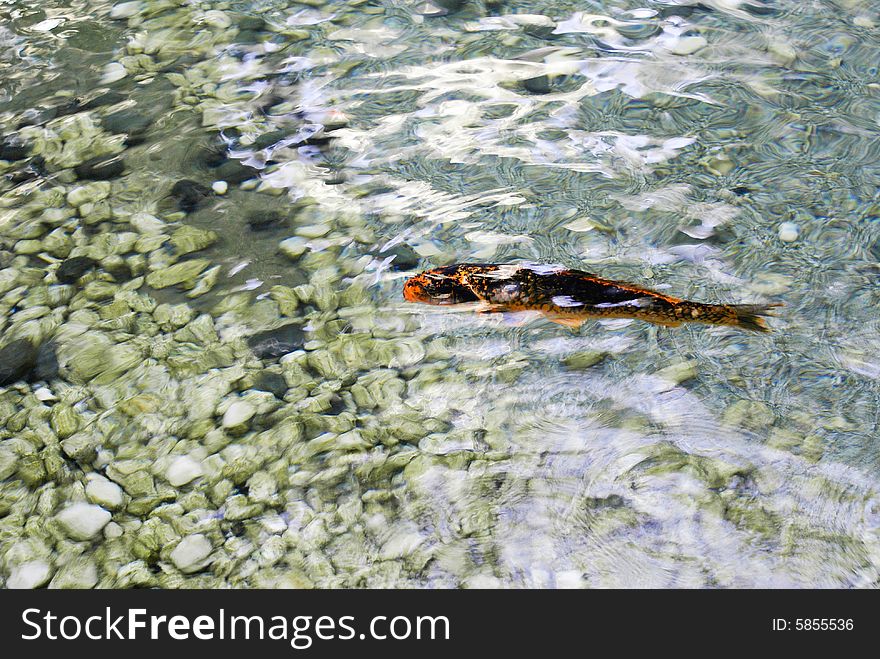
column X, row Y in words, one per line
column 750, row 316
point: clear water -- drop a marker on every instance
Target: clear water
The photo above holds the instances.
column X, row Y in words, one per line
column 722, row 151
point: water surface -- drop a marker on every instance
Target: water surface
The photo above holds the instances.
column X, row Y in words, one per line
column 721, row 151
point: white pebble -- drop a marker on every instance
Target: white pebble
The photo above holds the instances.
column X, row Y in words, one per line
column 238, row 413
column 788, row 232
column 569, row 579
column 313, row 230
column 146, row 223
column 401, row 544
column 190, row 553
column 82, row 521
column 686, row 45
column 105, row 493
column 47, row 25
column 293, row 247
column 182, row 470
column 220, row 187
column 113, row 530
column 113, row 72
column 125, row 9
column 44, row 394
column 32, row 574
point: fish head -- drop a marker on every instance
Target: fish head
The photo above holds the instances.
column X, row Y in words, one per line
column 438, row 286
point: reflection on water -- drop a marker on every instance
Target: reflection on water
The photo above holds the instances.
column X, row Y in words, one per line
column 720, row 151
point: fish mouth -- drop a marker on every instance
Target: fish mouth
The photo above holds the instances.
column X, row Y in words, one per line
column 437, row 290
column 414, row 292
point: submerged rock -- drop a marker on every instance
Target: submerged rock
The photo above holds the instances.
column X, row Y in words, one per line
column 105, row 493
column 189, row 239
column 12, row 148
column 405, row 257
column 100, row 168
column 268, row 139
column 439, row 7
column 128, row 122
column 271, row 382
column 293, row 247
column 79, row 574
column 17, row 359
column 108, row 97
column 264, row 220
column 277, row 342
column 233, row 171
column 583, row 359
column 83, row 521
column 32, row 574
column 46, row 368
column 212, row 155
column 238, row 413
column 182, row 470
column 191, row 554
column 179, row 273
column 73, row 268
column 190, row 194
column 33, row 169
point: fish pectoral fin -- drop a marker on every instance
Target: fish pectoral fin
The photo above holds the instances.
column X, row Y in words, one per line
column 574, row 323
column 517, row 318
column 490, row 308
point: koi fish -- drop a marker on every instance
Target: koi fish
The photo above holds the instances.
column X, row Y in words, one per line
column 569, row 297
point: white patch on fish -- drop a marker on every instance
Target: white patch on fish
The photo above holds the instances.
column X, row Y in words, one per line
column 503, row 272
column 640, row 302
column 543, row 269
column 567, row 301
